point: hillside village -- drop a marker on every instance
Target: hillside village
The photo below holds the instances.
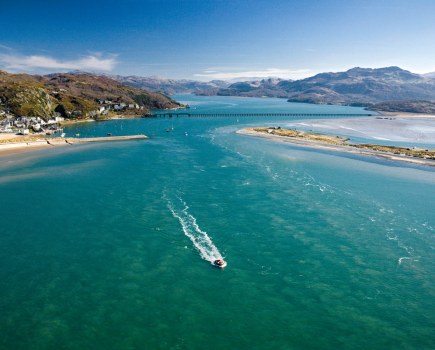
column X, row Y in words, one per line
column 38, row 104
column 25, row 125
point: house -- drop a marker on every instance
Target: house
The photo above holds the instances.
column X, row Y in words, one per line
column 23, row 131
column 55, row 120
column 120, row 107
column 36, row 127
column 19, row 124
column 6, row 123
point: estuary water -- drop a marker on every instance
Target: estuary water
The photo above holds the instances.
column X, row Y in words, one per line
column 108, row 245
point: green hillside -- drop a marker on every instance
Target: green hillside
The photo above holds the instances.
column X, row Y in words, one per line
column 74, row 96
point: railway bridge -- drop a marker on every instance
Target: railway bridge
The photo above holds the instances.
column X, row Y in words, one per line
column 242, row 115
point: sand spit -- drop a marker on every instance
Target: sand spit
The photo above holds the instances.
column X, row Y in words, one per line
column 337, row 143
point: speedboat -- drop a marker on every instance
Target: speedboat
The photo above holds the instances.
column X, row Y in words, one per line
column 219, row 263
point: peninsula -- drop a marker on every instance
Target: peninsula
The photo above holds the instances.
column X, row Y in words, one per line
column 339, row 143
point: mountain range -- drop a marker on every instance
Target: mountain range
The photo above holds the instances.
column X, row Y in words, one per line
column 171, row 86
column 80, row 94
column 373, row 88
column 391, row 88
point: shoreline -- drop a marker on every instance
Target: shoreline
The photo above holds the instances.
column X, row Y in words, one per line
column 337, row 147
column 13, row 146
column 90, row 120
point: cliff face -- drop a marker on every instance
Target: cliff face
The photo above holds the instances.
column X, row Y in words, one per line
column 72, row 95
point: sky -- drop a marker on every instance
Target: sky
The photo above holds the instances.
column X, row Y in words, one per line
column 216, row 39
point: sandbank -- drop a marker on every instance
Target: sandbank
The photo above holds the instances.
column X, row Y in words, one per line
column 417, row 131
column 337, row 147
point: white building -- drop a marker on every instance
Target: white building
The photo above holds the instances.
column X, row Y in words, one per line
column 24, row 131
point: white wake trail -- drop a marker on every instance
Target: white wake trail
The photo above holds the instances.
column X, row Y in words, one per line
column 201, row 241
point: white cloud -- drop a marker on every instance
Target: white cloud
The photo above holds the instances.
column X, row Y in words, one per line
column 35, row 62
column 266, row 73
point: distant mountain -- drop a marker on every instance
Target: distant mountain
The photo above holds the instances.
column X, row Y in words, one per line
column 257, row 88
column 72, row 95
column 171, row 86
column 77, row 93
column 361, row 86
column 357, row 86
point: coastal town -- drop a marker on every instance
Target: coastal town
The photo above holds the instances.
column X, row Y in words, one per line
column 25, row 125
column 32, row 104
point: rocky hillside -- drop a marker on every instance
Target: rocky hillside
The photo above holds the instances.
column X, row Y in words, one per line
column 72, row 95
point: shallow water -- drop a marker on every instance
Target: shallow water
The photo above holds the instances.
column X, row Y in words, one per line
column 105, row 246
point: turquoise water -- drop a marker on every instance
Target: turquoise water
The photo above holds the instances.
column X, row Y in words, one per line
column 104, row 246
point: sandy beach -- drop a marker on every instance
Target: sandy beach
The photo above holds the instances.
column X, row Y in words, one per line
column 340, row 148
column 13, row 144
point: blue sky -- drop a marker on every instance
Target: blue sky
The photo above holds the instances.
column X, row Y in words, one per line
column 216, row 39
